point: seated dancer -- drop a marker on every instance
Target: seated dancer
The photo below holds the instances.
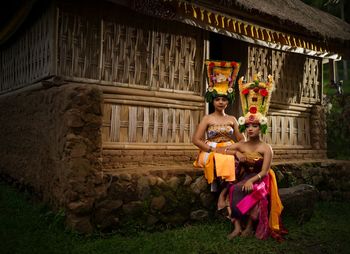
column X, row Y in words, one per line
column 221, row 129
column 255, row 205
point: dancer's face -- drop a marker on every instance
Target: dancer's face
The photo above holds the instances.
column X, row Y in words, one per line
column 220, row 103
column 253, row 130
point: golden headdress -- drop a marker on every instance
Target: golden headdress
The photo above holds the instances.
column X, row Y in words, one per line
column 255, row 99
column 221, row 79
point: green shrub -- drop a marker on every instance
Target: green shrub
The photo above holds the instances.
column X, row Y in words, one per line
column 338, row 127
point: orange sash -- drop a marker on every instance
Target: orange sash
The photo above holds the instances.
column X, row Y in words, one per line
column 276, row 204
column 224, row 164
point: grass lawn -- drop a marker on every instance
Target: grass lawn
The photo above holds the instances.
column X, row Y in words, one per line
column 28, row 227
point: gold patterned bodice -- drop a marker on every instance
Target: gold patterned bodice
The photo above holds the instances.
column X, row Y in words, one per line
column 220, row 133
column 253, row 163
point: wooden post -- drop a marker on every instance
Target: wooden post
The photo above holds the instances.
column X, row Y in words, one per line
column 206, row 56
column 332, row 70
column 345, row 65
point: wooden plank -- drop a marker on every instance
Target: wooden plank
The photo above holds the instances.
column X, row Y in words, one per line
column 115, row 123
column 177, row 130
column 155, row 125
column 279, row 130
column 132, row 123
column 173, row 125
column 283, row 134
column 274, row 128
column 124, row 124
column 139, row 123
column 187, row 134
column 142, row 146
column 146, row 124
column 301, row 131
column 150, row 104
column 307, row 132
column 290, row 131
column 165, row 125
column 182, row 126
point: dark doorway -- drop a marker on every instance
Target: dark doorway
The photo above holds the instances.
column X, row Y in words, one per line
column 228, row 49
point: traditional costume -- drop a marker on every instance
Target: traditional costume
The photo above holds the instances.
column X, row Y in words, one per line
column 263, row 204
column 221, row 79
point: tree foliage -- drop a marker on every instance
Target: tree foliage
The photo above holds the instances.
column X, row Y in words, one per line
column 332, row 6
column 338, row 126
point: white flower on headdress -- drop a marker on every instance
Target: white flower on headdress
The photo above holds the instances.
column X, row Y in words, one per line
column 230, row 90
column 210, row 89
column 259, row 75
column 263, row 120
column 241, row 120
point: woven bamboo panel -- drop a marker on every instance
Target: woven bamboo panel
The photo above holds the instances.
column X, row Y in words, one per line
column 311, row 92
column 259, row 60
column 288, row 72
column 297, row 77
column 289, row 131
column 29, row 58
column 122, row 50
column 177, row 61
column 144, row 124
column 79, row 47
column 126, row 54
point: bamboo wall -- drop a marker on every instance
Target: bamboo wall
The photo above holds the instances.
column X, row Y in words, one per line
column 151, row 73
column 29, row 57
column 129, row 49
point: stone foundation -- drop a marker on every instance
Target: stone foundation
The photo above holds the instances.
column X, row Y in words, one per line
column 331, row 178
column 170, row 198
column 50, row 140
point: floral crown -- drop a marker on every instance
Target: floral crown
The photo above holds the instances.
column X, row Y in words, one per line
column 221, row 79
column 255, row 99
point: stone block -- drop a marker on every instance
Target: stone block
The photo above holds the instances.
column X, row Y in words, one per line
column 299, row 201
column 158, row 203
column 80, row 207
column 111, row 205
column 188, row 180
column 173, row 183
column 199, row 215
column 79, row 224
column 133, row 207
column 207, row 199
column 199, row 185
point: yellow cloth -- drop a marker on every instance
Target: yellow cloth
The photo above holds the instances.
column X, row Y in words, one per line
column 276, row 204
column 224, row 164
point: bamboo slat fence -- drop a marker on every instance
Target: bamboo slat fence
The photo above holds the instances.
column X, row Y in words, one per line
column 29, row 58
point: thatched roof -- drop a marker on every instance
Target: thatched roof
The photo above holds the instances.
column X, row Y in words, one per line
column 283, row 22
column 289, row 15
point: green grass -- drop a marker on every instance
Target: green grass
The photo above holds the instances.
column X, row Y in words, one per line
column 29, row 227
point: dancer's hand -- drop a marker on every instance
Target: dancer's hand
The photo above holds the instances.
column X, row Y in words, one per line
column 247, row 186
column 240, row 156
